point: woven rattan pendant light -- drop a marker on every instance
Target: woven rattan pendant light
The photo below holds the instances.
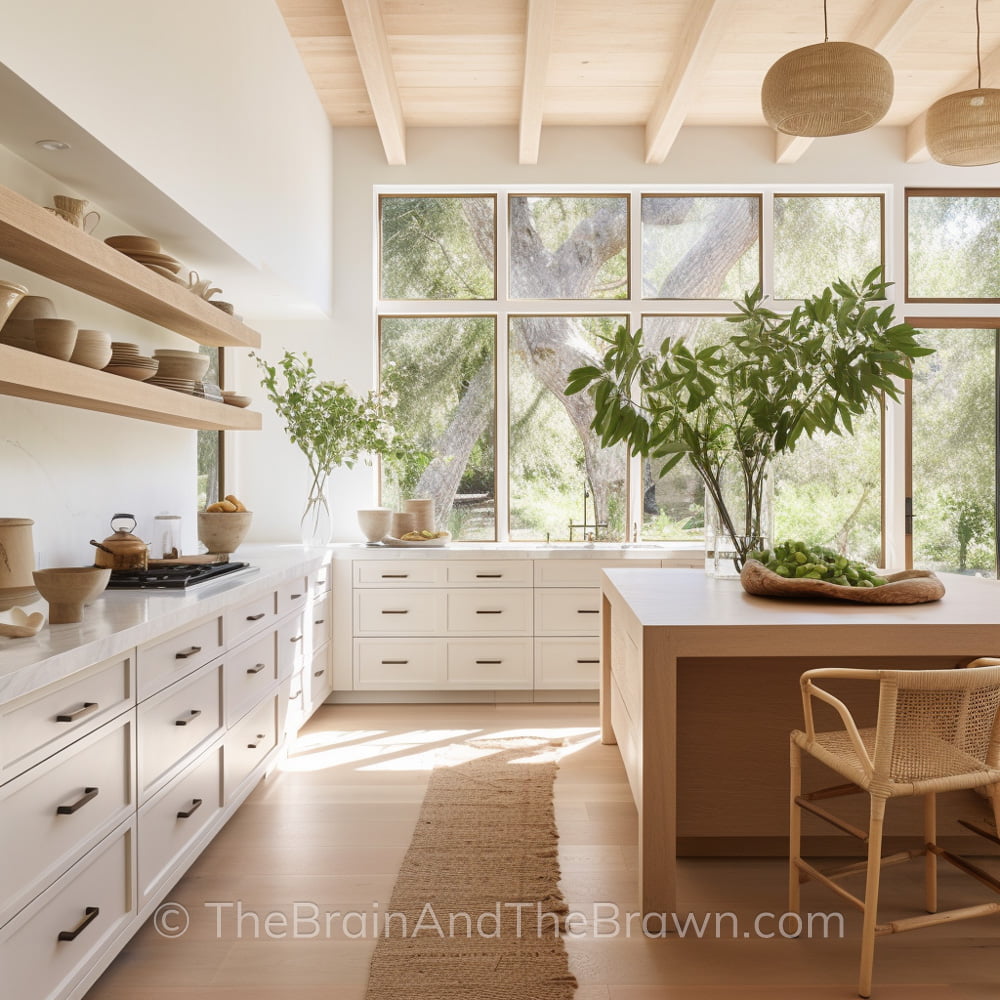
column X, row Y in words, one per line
column 963, row 129
column 833, row 88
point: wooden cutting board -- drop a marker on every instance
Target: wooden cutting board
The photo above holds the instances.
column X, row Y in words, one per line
column 204, row 558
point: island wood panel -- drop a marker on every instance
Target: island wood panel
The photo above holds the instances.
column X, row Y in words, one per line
column 696, row 738
column 40, row 241
column 35, row 376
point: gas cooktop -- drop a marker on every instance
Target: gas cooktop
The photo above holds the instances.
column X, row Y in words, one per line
column 177, row 577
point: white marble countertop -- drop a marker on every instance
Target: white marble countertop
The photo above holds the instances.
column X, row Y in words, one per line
column 683, row 553
column 121, row 619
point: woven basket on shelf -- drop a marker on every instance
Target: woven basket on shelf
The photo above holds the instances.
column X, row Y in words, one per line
column 833, row 88
column 963, row 129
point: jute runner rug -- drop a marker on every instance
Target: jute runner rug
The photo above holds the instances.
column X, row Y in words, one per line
column 476, row 912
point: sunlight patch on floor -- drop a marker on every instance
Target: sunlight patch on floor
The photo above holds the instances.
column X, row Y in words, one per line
column 328, row 750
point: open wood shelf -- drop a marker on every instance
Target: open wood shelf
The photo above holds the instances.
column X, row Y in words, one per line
column 37, row 240
column 35, row 376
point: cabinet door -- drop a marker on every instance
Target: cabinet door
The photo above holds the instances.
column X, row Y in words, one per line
column 54, row 813
column 489, row 663
column 249, row 742
column 37, row 725
column 399, row 573
column 249, row 670
column 493, row 573
column 49, row 945
column 400, row 664
column 173, row 819
column 489, row 612
column 175, row 724
column 398, row 612
column 251, row 616
column 583, row 572
column 166, row 660
column 568, row 663
column 568, row 611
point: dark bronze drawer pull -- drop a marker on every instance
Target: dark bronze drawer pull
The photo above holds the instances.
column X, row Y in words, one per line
column 296, row 597
column 185, row 653
column 91, row 915
column 489, row 612
column 403, row 612
column 489, row 661
column 192, row 715
column 187, row 813
column 296, row 638
column 395, row 662
column 395, row 576
column 257, row 617
column 588, row 611
column 253, row 746
column 78, row 713
column 88, row 794
column 489, row 576
column 588, row 661
column 319, row 621
column 318, row 673
column 256, row 669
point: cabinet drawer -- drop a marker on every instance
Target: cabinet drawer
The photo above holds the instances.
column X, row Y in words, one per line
column 162, row 662
column 293, row 595
column 320, row 679
column 398, row 664
column 498, row 573
column 37, row 725
column 400, row 612
column 249, row 742
column 399, row 573
column 492, row 663
column 320, row 624
column 57, row 811
column 582, row 572
column 172, row 820
column 291, row 705
column 175, row 724
column 251, row 616
column 568, row 611
column 320, row 579
column 292, row 644
column 568, row 663
column 491, row 612
column 249, row 671
column 49, row 945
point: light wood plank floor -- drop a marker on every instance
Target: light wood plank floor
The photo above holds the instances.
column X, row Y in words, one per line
column 329, row 830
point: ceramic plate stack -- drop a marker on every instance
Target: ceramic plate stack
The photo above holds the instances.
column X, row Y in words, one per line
column 147, row 252
column 129, row 363
column 180, row 370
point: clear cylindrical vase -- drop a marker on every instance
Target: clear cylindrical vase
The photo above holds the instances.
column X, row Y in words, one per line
column 745, row 524
column 316, row 525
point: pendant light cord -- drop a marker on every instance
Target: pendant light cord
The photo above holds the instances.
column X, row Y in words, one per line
column 826, row 30
column 979, row 58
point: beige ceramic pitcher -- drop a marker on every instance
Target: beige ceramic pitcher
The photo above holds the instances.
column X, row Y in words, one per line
column 17, row 560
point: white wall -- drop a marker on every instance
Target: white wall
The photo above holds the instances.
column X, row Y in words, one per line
column 209, row 101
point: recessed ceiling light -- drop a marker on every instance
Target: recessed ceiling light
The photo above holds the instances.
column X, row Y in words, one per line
column 53, row 145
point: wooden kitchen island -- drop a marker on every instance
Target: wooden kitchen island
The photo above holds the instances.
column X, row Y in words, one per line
column 699, row 689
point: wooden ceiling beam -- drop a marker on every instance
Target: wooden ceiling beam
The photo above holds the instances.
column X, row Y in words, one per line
column 703, row 31
column 916, row 131
column 537, row 49
column 364, row 18
column 885, row 32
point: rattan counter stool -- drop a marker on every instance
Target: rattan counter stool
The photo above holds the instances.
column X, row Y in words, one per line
column 936, row 731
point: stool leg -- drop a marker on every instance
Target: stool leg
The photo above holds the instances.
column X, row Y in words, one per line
column 794, row 828
column 871, row 895
column 993, row 791
column 930, row 858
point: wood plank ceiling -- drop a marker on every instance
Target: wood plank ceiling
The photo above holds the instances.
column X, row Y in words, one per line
column 659, row 64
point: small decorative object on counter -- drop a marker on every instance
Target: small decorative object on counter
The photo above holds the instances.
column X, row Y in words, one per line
column 375, row 523
column 17, row 560
column 69, row 588
column 22, row 625
column 424, row 514
column 122, row 550
column 167, row 536
column 222, row 526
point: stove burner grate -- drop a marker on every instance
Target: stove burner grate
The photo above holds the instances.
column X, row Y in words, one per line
column 177, row 577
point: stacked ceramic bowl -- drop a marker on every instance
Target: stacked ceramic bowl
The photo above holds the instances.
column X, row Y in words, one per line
column 129, row 363
column 19, row 331
column 147, row 252
column 93, row 349
column 180, row 370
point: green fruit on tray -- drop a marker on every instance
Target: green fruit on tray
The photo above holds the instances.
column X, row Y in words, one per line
column 797, row 561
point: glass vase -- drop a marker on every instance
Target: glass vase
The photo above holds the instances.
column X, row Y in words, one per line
column 743, row 526
column 316, row 525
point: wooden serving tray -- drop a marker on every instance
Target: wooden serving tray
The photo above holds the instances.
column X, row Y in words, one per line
column 911, row 586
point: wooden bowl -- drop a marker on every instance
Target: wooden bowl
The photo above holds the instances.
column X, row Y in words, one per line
column 93, row 349
column 235, row 399
column 19, row 333
column 911, row 586
column 223, row 531
column 33, row 307
column 55, row 337
column 68, row 588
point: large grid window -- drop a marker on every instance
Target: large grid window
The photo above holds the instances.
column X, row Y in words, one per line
column 487, row 299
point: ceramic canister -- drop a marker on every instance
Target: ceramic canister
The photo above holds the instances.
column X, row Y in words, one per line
column 424, row 513
column 17, row 553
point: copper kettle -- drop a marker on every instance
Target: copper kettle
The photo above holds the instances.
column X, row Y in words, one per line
column 122, row 550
